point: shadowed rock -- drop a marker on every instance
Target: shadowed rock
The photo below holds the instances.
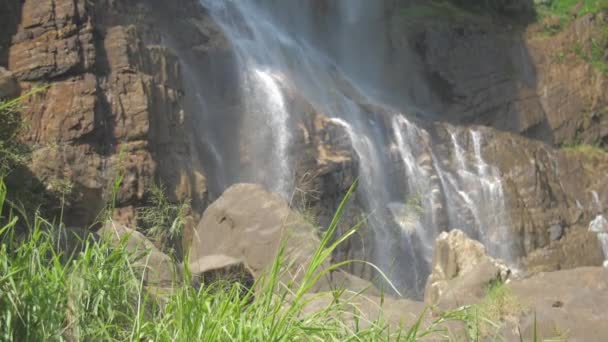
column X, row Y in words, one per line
column 8, row 85
column 218, row 269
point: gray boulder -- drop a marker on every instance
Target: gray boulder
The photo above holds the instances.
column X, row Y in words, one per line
column 249, row 224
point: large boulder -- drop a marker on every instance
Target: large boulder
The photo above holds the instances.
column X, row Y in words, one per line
column 462, row 271
column 248, row 223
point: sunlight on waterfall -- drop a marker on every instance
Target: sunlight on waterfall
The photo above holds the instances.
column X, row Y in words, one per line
column 278, row 122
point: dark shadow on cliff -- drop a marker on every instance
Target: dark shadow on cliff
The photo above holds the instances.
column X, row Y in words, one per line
column 10, row 17
column 211, row 95
column 470, row 63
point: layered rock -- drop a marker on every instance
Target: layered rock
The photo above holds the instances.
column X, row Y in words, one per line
column 114, row 104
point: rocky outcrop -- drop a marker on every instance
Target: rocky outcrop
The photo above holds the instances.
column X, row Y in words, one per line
column 114, row 104
column 462, row 271
column 245, row 229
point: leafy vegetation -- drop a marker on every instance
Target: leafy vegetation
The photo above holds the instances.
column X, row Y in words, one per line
column 587, row 149
column 12, row 153
column 485, row 319
column 557, row 14
column 97, row 294
column 163, row 221
column 569, row 8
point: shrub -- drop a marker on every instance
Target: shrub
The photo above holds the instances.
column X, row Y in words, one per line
column 163, row 221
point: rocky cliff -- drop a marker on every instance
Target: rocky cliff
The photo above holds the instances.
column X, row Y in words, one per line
column 120, row 103
column 115, row 103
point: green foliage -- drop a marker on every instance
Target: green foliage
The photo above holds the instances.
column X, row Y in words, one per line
column 98, row 295
column 568, row 8
column 558, row 14
column 162, row 220
column 12, row 153
column 587, row 149
column 595, row 53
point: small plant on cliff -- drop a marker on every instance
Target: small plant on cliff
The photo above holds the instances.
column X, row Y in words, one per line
column 12, row 153
column 162, row 220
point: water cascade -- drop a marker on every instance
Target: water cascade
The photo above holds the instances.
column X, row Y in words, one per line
column 321, row 53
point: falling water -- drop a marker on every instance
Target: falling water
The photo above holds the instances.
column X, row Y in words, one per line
column 409, row 189
column 276, row 118
column 600, row 226
column 479, row 187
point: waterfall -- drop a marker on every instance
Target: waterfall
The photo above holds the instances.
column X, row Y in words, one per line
column 409, row 188
column 600, row 226
column 476, row 198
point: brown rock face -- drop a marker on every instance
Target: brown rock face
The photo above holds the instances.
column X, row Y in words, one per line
column 114, row 105
column 553, row 195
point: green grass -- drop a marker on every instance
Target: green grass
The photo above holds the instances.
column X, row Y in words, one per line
column 163, row 221
column 565, row 8
column 587, row 149
column 558, row 14
column 97, row 294
column 485, row 319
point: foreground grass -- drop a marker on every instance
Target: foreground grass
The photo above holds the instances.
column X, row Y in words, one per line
column 94, row 293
